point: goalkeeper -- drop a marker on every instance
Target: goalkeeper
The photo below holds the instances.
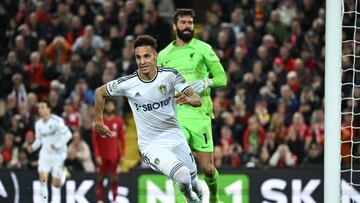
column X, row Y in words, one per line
column 196, row 60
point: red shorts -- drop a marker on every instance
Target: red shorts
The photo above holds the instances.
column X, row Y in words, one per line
column 108, row 166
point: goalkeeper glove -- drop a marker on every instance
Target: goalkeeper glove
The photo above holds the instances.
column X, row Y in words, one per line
column 200, row 85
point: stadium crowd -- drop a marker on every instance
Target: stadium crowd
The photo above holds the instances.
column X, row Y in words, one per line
column 271, row 114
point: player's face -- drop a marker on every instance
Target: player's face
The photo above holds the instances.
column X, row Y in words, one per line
column 184, row 28
column 43, row 109
column 146, row 59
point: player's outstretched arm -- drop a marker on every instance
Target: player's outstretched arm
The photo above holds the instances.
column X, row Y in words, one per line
column 100, row 127
column 188, row 97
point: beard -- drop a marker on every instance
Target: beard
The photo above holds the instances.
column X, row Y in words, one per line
column 184, row 36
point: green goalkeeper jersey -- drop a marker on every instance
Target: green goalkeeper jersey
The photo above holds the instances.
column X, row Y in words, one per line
column 194, row 61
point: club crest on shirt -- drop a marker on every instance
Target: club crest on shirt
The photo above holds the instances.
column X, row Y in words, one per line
column 157, row 161
column 162, row 89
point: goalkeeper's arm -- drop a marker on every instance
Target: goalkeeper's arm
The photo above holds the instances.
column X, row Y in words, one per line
column 217, row 71
column 218, row 79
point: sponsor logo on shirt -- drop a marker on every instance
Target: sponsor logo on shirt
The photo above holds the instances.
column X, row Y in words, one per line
column 152, row 106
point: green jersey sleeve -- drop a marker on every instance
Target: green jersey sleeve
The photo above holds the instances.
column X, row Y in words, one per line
column 212, row 62
column 219, row 78
column 209, row 54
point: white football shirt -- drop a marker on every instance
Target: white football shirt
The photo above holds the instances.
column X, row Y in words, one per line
column 53, row 131
column 153, row 105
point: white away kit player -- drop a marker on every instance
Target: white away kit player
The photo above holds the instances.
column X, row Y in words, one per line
column 52, row 135
column 151, row 96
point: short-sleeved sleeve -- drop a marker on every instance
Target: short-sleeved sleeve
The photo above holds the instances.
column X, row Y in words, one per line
column 115, row 88
column 180, row 83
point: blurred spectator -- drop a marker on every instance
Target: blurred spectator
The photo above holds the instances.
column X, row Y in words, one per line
column 22, row 160
column 347, row 132
column 64, row 14
column 68, row 78
column 234, row 158
column 288, row 12
column 235, row 128
column 78, row 149
column 9, row 152
column 21, row 50
column 277, row 126
column 88, row 41
column 36, row 76
column 75, row 29
column 5, row 119
column 313, row 155
column 303, row 74
column 293, row 82
column 317, row 123
column 36, row 29
column 42, row 15
column 19, row 90
column 254, row 136
column 264, row 157
column 17, row 129
column 154, row 23
column 41, row 49
column 165, row 9
column 299, row 132
column 261, row 113
column 279, row 70
column 56, row 28
column 8, row 69
column 30, row 39
column 247, row 48
column 77, row 65
column 71, row 116
column 275, row 26
column 282, row 157
column 56, row 101
column 91, row 75
column 86, row 131
column 271, row 143
column 58, row 53
column 237, row 23
column 289, row 100
column 223, row 47
column 226, row 140
column 32, row 157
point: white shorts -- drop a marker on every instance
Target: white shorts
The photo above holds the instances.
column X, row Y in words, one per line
column 53, row 164
column 168, row 160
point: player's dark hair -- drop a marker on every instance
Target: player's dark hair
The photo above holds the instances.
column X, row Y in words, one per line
column 183, row 12
column 145, row 40
column 47, row 102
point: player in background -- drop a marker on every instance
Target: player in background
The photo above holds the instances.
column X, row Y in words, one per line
column 151, row 96
column 109, row 151
column 52, row 135
column 196, row 61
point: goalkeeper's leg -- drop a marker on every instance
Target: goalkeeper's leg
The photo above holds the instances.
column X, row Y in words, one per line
column 206, row 163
